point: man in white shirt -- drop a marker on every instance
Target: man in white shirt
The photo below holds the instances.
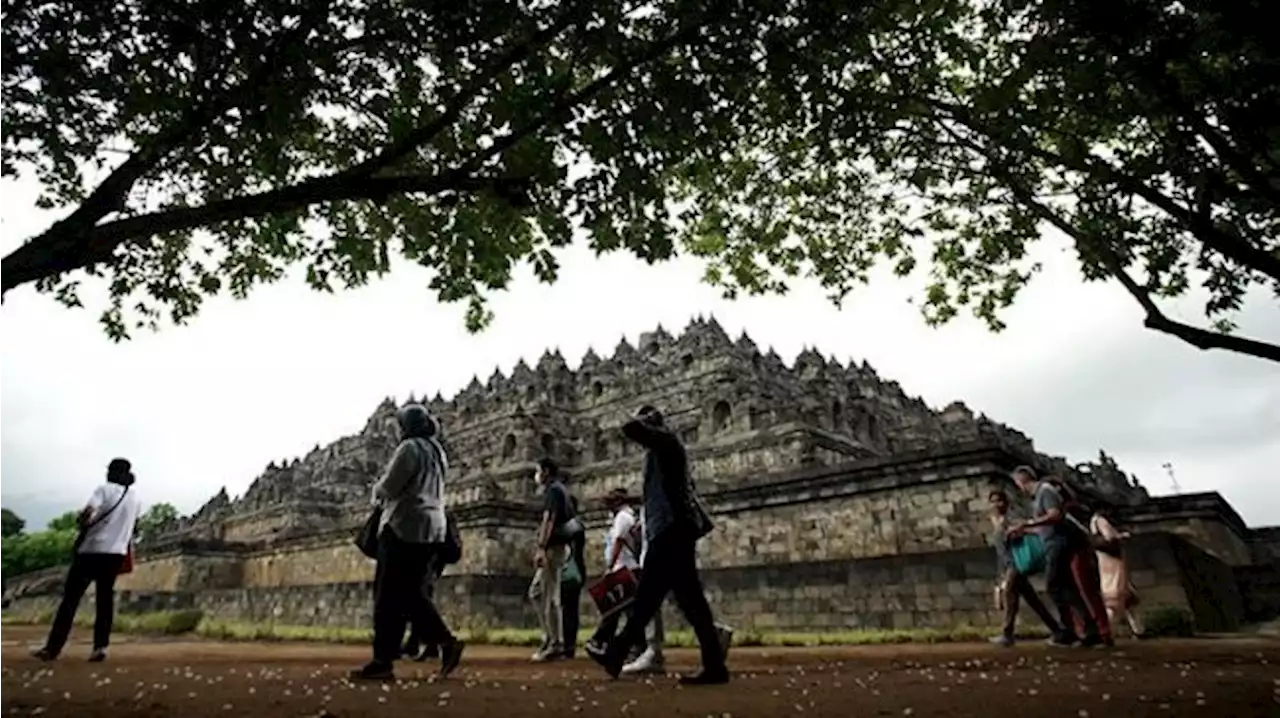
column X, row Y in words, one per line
column 650, row 659
column 106, row 533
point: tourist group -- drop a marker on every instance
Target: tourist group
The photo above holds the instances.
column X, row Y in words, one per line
column 650, row 551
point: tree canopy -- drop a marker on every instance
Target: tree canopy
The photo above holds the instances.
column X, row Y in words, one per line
column 154, row 521
column 25, row 552
column 197, row 151
column 69, row 521
column 12, row 524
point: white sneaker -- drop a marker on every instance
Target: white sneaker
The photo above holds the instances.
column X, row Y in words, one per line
column 725, row 635
column 648, row 662
column 548, row 655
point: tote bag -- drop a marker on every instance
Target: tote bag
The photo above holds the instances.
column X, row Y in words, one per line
column 1027, row 554
column 615, row 591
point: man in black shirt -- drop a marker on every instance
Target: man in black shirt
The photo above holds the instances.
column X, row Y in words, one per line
column 674, row 522
column 555, row 533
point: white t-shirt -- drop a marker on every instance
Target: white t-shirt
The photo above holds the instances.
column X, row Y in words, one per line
column 644, row 540
column 623, row 523
column 114, row 532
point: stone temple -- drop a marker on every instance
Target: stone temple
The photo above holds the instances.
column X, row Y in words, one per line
column 841, row 501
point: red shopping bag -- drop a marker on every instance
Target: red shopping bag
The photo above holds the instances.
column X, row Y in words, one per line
column 615, row 591
column 126, row 566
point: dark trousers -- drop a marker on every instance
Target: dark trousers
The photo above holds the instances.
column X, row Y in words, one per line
column 1084, row 569
column 671, row 566
column 608, row 626
column 1063, row 590
column 415, row 641
column 1020, row 589
column 101, row 570
column 399, row 598
column 570, row 607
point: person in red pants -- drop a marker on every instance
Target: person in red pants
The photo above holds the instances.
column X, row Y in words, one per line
column 1084, row 563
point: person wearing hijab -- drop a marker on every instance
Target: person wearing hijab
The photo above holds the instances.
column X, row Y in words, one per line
column 410, row 494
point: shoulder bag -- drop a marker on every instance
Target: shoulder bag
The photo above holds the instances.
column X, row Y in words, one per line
column 1102, row 544
column 1027, row 555
column 84, row 530
column 367, row 536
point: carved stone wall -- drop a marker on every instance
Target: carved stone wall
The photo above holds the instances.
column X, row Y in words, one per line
column 840, row 500
column 1205, row 519
column 745, row 417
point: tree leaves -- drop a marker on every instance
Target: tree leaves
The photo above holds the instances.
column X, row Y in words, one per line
column 775, row 140
column 12, row 523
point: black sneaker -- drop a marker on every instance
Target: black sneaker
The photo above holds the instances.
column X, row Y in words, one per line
column 374, row 671
column 1095, row 641
column 425, row 653
column 610, row 661
column 44, row 654
column 1063, row 640
column 450, row 656
column 596, row 650
column 98, row 655
column 706, row 677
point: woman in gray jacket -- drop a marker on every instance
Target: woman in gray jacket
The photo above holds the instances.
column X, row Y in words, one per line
column 411, row 496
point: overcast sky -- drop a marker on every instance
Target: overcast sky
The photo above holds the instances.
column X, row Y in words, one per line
column 208, row 405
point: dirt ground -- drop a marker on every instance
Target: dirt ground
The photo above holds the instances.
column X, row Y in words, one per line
column 190, row 679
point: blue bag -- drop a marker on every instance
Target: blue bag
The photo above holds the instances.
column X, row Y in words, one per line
column 1027, row 554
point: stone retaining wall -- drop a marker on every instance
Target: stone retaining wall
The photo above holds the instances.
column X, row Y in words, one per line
column 941, row 589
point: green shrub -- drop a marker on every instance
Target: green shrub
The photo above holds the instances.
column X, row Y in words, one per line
column 160, row 623
column 1168, row 621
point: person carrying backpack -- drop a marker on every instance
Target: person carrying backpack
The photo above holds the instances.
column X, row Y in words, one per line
column 572, row 579
column 556, row 533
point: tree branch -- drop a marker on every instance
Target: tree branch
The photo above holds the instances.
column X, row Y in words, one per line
column 35, row 260
column 411, row 141
column 71, row 241
column 569, row 100
column 1155, row 318
column 1225, row 243
column 55, row 252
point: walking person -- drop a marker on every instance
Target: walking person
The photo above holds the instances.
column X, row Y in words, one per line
column 572, row 580
column 1048, row 521
column 674, row 521
column 1013, row 587
column 106, row 524
column 555, row 534
column 411, row 531
column 1084, row 560
column 621, row 550
column 1113, row 568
